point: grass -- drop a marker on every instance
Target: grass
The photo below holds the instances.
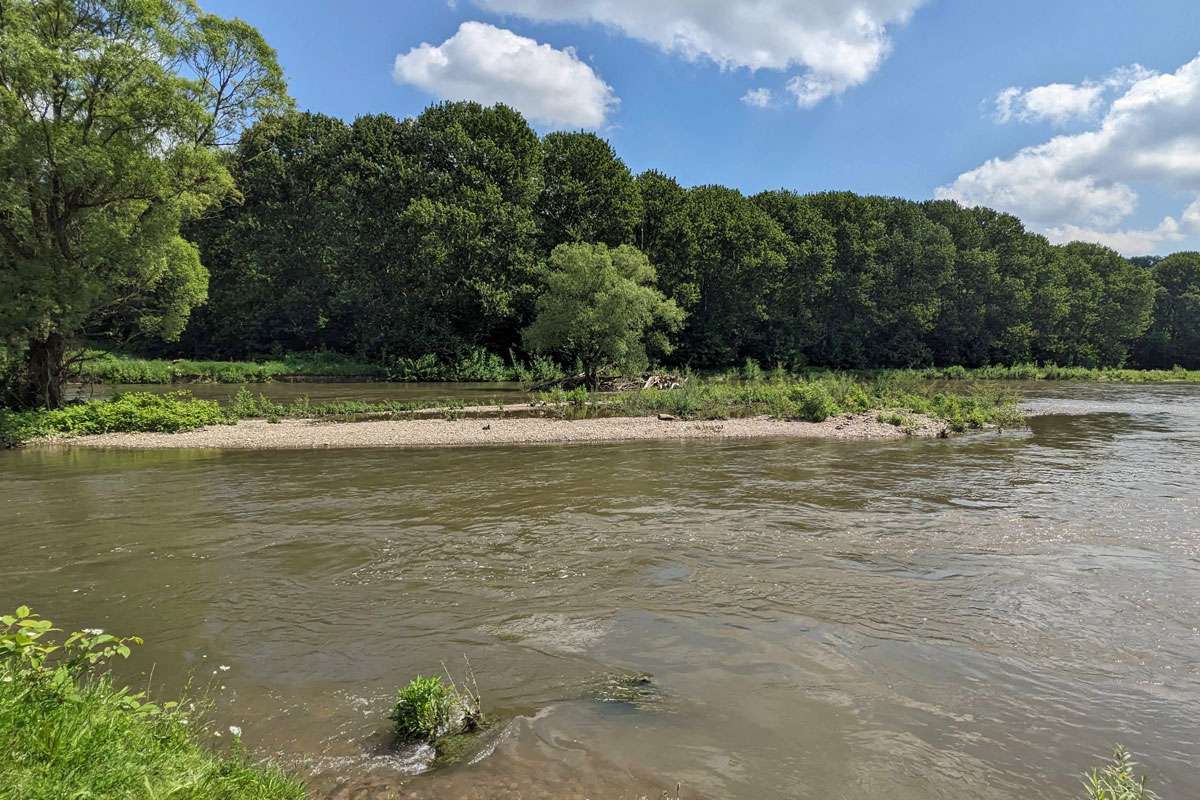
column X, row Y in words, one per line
column 1052, row 372
column 104, row 367
column 812, row 399
column 476, row 365
column 70, row 732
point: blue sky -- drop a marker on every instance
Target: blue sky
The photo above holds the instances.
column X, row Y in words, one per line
column 1033, row 107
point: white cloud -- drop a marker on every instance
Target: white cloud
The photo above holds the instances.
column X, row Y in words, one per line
column 757, row 98
column 1081, row 183
column 839, row 45
column 491, row 65
column 1060, row 103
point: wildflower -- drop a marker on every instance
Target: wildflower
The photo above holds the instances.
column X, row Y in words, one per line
column 223, row 668
column 236, row 730
column 93, row 631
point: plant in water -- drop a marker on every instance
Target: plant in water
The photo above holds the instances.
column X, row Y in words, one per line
column 1116, row 780
column 428, row 709
column 424, row 709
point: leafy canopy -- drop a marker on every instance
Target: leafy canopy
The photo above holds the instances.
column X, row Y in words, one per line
column 109, row 110
column 600, row 308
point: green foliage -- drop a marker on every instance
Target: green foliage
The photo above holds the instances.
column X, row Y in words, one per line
column 1116, row 780
column 108, row 111
column 104, row 367
column 600, row 308
column 1174, row 336
column 425, row 709
column 811, row 398
column 69, row 731
column 588, row 194
column 135, row 411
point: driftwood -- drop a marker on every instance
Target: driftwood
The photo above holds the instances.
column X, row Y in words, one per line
column 647, row 380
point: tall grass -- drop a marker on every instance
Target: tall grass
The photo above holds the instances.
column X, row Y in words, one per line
column 69, row 731
column 102, row 367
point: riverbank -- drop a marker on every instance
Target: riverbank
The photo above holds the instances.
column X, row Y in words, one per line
column 304, row 434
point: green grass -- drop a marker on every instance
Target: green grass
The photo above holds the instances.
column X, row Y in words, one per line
column 477, row 365
column 102, row 367
column 811, row 399
column 70, row 732
column 1051, row 372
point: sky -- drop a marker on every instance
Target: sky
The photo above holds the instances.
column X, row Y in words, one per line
column 1082, row 117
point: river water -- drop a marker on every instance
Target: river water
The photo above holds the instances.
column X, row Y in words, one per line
column 980, row 617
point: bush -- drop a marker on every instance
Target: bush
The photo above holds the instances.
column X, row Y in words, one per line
column 70, row 732
column 135, row 412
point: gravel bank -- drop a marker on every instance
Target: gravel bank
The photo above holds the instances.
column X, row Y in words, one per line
column 311, row 434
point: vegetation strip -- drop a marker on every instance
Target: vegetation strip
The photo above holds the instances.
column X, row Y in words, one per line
column 814, row 399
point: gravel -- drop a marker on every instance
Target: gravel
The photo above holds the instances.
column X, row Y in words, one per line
column 313, row 434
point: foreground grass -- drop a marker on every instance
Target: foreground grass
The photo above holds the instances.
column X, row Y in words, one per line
column 70, row 732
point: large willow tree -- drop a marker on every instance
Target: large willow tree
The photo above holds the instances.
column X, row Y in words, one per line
column 112, row 113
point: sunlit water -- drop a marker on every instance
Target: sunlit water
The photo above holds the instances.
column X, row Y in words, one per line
column 982, row 617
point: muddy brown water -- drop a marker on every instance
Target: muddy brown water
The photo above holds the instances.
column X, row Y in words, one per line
column 982, row 617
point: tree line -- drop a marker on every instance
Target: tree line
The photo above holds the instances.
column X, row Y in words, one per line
column 391, row 238
column 155, row 185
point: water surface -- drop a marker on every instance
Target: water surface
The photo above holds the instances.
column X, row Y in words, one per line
column 980, row 617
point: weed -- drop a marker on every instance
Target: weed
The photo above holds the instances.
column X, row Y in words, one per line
column 1116, row 780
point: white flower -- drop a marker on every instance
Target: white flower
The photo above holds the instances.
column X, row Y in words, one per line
column 93, row 631
column 235, row 730
column 223, row 668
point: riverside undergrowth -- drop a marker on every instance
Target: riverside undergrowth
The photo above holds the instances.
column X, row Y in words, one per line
column 811, row 399
column 70, row 731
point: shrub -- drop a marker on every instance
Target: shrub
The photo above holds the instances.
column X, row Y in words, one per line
column 136, row 412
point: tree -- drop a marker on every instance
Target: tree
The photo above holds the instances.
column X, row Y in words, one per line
column 276, row 264
column 588, row 194
column 1174, row 337
column 442, row 243
column 600, row 308
column 106, row 124
column 723, row 262
column 1097, row 305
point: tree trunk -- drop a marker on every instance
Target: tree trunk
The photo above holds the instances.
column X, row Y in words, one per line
column 45, row 373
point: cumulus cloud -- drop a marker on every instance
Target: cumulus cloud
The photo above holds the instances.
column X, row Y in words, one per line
column 1060, row 103
column 757, row 98
column 838, row 45
column 492, row 65
column 1055, row 102
column 1083, row 183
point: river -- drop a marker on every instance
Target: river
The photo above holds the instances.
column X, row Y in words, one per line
column 980, row 617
